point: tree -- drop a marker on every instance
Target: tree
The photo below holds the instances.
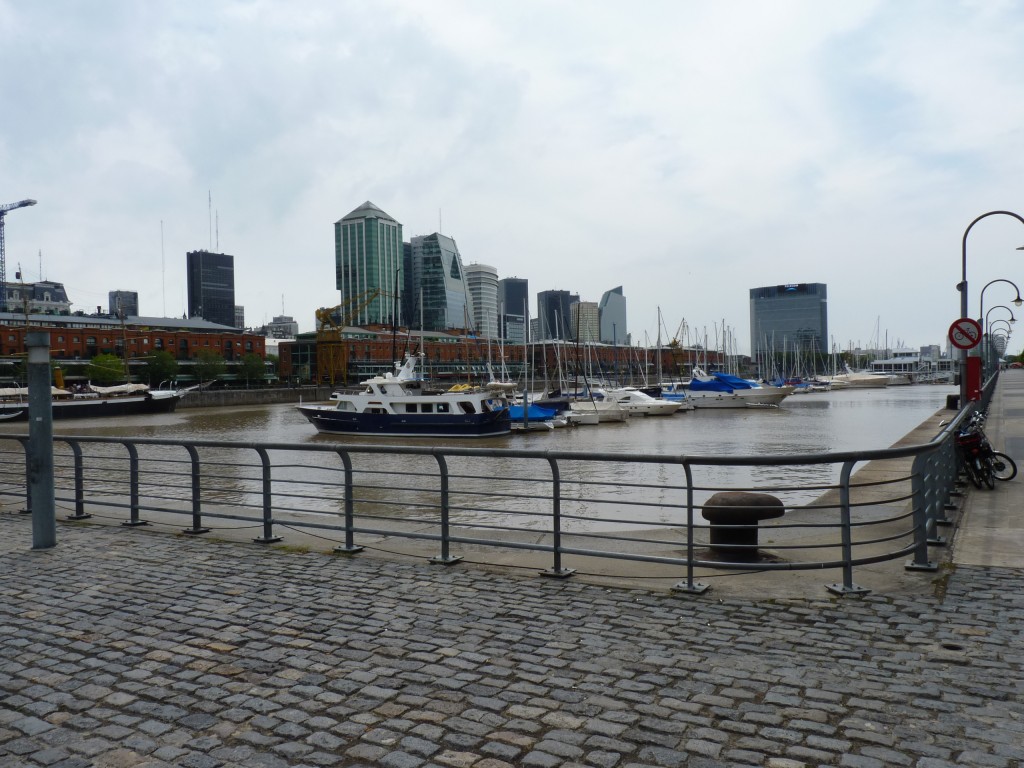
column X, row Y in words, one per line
column 105, row 369
column 161, row 366
column 209, row 365
column 251, row 367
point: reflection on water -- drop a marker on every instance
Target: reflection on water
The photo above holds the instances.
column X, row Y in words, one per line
column 813, row 423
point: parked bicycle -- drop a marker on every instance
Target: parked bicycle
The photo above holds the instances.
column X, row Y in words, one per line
column 982, row 464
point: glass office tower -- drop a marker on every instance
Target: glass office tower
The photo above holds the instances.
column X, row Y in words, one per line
column 211, row 286
column 367, row 257
column 789, row 328
column 436, row 280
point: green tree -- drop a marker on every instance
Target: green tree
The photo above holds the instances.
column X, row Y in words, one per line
column 160, row 366
column 251, row 367
column 274, row 361
column 105, row 369
column 209, row 365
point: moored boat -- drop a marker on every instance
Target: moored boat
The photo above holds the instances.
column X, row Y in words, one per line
column 723, row 390
column 638, row 403
column 93, row 402
column 402, row 404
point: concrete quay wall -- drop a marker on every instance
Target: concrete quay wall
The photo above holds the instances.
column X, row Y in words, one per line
column 221, row 398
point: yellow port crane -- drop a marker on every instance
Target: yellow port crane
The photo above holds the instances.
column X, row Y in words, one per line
column 4, row 208
column 331, row 349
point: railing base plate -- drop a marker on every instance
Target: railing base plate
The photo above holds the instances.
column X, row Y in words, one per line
column 693, row 589
column 445, row 560
column 267, row 539
column 912, row 566
column 937, row 541
column 194, row 531
column 134, row 523
column 347, row 550
column 83, row 516
column 842, row 589
column 560, row 573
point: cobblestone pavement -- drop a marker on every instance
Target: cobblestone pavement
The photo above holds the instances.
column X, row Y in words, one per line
column 124, row 647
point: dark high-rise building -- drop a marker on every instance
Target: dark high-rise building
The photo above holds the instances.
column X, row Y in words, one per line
column 513, row 308
column 554, row 315
column 789, row 327
column 211, row 287
column 123, row 303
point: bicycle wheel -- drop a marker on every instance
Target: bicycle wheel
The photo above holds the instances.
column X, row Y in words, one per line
column 988, row 473
column 1003, row 467
column 972, row 473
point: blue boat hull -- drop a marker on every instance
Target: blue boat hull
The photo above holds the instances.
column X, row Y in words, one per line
column 409, row 425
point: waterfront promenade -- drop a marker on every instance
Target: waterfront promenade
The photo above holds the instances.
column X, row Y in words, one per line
column 125, row 647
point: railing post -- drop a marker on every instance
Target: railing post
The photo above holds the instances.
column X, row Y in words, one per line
column 39, row 459
column 922, row 500
column 846, row 531
column 690, row 586
column 556, row 571
column 268, row 536
column 350, row 547
column 80, row 513
column 446, row 558
column 133, row 486
column 197, row 503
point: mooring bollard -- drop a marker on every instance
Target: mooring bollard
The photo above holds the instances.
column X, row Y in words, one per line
column 734, row 516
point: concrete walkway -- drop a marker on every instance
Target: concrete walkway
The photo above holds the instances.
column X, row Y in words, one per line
column 122, row 647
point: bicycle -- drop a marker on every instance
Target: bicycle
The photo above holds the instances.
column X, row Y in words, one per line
column 982, row 465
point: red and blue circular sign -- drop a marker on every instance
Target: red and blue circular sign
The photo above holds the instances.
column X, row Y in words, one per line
column 965, row 333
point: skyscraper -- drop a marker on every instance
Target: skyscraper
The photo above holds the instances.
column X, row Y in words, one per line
column 612, row 310
column 482, row 283
column 553, row 314
column 583, row 322
column 789, row 321
column 436, row 281
column 513, row 307
column 367, row 257
column 211, row 286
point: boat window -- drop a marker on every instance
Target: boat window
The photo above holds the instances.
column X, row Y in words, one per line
column 410, row 407
column 442, row 407
column 466, row 406
column 427, row 408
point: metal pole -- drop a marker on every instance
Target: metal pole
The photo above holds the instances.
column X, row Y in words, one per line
column 40, row 441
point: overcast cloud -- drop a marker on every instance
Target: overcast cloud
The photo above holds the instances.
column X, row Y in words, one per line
column 686, row 151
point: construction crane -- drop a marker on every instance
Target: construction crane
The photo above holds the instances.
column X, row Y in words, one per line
column 331, row 350
column 3, row 254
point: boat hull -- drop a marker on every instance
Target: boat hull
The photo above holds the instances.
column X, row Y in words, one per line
column 328, row 420
column 96, row 408
column 743, row 399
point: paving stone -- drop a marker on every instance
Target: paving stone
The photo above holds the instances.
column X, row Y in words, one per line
column 529, row 672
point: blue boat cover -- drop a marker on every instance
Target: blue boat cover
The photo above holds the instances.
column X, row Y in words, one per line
column 533, row 413
column 720, row 382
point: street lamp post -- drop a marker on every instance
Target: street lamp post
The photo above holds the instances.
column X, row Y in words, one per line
column 987, row 364
column 962, row 287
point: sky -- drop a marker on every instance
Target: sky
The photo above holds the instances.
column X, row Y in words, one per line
column 687, row 151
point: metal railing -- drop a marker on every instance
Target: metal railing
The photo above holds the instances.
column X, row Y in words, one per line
column 519, row 507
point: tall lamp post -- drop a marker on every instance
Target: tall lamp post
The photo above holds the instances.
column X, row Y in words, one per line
column 985, row 336
column 1000, row 339
column 962, row 287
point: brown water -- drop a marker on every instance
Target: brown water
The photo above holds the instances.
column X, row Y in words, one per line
column 813, row 423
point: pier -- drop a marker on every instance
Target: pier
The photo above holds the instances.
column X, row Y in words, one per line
column 127, row 647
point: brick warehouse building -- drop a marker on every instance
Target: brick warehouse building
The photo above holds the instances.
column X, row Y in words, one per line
column 75, row 337
column 459, row 358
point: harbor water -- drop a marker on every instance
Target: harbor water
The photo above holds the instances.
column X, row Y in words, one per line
column 820, row 422
column 852, row 419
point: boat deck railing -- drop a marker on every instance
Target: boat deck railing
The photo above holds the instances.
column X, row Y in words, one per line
column 528, row 508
